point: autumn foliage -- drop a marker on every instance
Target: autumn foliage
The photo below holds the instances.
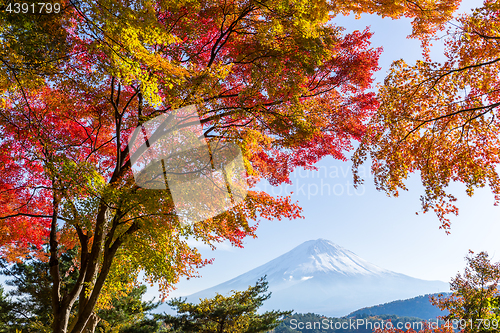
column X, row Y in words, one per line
column 474, row 302
column 474, row 305
column 441, row 119
column 276, row 78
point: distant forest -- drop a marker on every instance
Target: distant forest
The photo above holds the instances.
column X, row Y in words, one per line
column 419, row 307
column 314, row 323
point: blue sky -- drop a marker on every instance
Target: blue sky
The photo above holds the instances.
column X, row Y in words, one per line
column 385, row 231
column 382, row 230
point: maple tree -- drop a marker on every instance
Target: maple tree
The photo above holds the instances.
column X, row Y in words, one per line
column 276, row 78
column 474, row 305
column 441, row 119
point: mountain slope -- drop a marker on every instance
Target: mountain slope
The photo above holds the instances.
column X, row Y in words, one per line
column 322, row 277
column 419, row 307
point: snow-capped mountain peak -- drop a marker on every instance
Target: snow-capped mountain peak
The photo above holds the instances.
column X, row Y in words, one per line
column 322, row 255
column 323, row 277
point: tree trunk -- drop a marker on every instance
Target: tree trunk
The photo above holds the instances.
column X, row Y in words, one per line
column 60, row 323
column 91, row 324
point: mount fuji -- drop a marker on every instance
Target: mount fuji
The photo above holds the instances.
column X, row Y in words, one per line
column 321, row 277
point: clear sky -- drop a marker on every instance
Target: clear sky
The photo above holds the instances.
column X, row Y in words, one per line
column 385, row 231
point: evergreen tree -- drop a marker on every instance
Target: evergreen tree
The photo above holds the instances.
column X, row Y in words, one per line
column 30, row 310
column 7, row 316
column 234, row 313
column 31, row 304
column 148, row 325
column 128, row 311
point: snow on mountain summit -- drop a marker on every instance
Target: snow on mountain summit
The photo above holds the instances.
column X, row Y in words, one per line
column 310, row 259
column 322, row 255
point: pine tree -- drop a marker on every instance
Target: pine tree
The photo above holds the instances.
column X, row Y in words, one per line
column 6, row 312
column 234, row 313
column 30, row 309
